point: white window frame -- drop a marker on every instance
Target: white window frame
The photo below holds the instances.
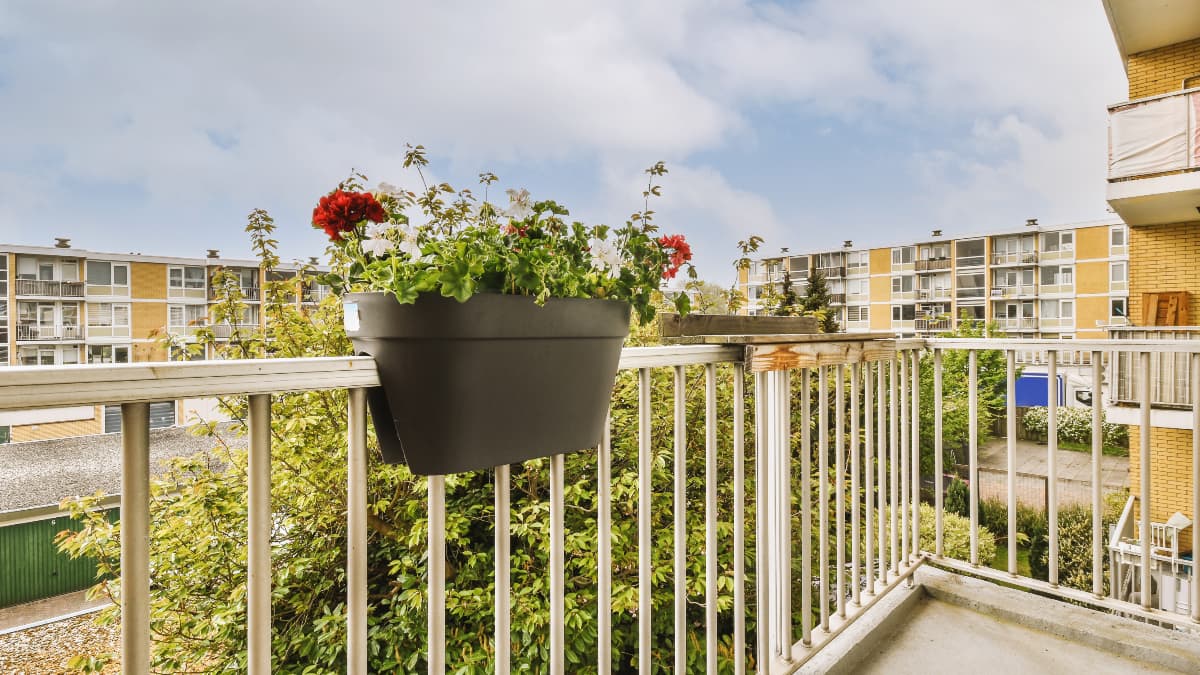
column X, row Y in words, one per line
column 113, row 287
column 1112, row 272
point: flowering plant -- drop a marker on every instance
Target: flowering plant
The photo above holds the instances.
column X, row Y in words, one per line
column 468, row 246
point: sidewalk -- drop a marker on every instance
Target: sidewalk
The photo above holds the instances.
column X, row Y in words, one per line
column 1032, row 458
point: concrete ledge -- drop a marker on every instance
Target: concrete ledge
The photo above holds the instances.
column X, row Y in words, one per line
column 1105, row 632
column 849, row 649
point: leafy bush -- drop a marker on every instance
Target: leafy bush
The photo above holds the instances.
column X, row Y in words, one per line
column 957, row 499
column 1075, row 544
column 956, row 535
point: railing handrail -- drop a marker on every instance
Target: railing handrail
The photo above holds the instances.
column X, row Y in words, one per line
column 1156, row 97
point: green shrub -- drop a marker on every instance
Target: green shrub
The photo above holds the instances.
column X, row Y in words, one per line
column 1074, row 426
column 957, row 499
column 956, row 535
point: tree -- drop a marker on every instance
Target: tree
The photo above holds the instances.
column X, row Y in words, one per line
column 992, row 388
column 789, row 302
column 816, row 303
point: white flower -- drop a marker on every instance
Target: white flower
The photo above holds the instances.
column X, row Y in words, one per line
column 518, row 208
column 377, row 247
column 408, row 242
column 605, row 257
column 390, row 190
column 378, row 231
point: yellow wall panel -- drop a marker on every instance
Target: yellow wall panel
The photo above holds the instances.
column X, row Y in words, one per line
column 881, row 262
column 148, row 317
column 1091, row 277
column 149, row 280
column 1091, row 242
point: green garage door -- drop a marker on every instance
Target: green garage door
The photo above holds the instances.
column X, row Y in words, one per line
column 162, row 415
column 33, row 568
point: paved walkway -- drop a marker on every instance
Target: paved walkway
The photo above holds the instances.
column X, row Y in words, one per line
column 1032, row 458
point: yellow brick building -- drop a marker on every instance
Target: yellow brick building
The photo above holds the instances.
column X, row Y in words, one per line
column 61, row 305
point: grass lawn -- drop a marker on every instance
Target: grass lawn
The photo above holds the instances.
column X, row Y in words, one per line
column 1001, row 560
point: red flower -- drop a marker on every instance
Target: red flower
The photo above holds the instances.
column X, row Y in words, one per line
column 681, row 253
column 340, row 212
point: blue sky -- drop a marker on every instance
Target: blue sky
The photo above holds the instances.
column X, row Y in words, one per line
column 156, row 127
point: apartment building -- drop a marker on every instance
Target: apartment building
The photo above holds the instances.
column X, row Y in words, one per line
column 61, row 305
column 1154, row 186
column 1062, row 281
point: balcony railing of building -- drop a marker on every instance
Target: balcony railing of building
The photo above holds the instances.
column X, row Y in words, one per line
column 224, row 331
column 48, row 289
column 965, row 293
column 248, row 293
column 933, row 293
column 933, row 264
column 315, row 294
column 1014, row 291
column 835, row 272
column 1017, row 323
column 971, row 261
column 1170, row 372
column 933, row 325
column 822, row 555
column 1063, row 254
column 1024, row 258
column 837, row 298
column 36, row 332
column 1153, row 136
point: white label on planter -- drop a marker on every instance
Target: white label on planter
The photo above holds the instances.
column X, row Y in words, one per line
column 351, row 320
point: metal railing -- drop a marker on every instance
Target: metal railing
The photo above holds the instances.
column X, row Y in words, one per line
column 933, row 264
column 1022, row 323
column 933, row 294
column 35, row 332
column 1014, row 291
column 933, row 325
column 48, row 289
column 1170, row 373
column 249, row 293
column 835, row 272
column 1022, row 258
column 866, row 445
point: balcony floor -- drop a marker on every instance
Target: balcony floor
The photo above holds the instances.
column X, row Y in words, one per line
column 948, row 623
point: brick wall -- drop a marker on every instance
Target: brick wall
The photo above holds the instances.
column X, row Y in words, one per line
column 1164, row 258
column 1162, row 70
column 1170, row 474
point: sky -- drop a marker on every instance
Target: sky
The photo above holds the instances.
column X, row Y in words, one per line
column 156, row 127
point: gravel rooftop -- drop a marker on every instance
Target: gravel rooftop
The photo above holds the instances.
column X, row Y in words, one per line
column 46, row 649
column 39, row 473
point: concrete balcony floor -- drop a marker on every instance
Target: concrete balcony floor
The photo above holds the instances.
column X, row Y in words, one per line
column 949, row 623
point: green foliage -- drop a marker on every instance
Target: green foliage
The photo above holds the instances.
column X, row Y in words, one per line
column 816, row 303
column 957, row 499
column 467, row 247
column 956, row 420
column 956, row 535
column 1075, row 426
column 789, row 302
column 1075, row 544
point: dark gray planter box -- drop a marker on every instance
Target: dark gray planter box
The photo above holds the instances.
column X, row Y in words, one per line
column 494, row 380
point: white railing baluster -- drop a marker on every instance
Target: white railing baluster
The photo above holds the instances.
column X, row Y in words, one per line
column 855, row 497
column 915, row 370
column 710, row 516
column 1097, row 477
column 1011, row 459
column 557, row 576
column 1052, row 461
column 739, row 520
column 135, row 537
column 356, row 532
column 939, row 548
column 973, row 448
column 1144, row 465
column 839, row 491
column 1195, row 393
column 893, row 467
column 502, row 599
column 258, row 536
column 645, row 572
column 680, row 521
column 823, row 493
column 869, row 464
column 783, row 497
column 881, row 468
column 604, row 552
column 436, row 561
column 762, row 571
column 905, row 469
column 806, row 620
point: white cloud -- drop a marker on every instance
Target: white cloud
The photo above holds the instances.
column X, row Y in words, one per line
column 295, row 93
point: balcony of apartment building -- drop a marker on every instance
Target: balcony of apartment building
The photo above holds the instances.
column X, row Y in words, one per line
column 1057, row 248
column 314, row 293
column 1057, row 280
column 932, row 265
column 939, row 324
column 48, row 332
column 1014, row 258
column 46, row 289
column 933, row 257
column 827, row 546
column 969, row 253
column 934, row 294
column 1154, row 158
column 832, row 271
column 1010, row 324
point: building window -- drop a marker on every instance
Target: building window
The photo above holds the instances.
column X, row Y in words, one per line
column 1118, row 272
column 969, row 253
column 107, row 276
column 108, row 353
column 858, row 313
column 1058, row 241
column 108, row 314
column 1117, row 235
column 857, row 261
column 185, row 277
column 1118, row 308
column 903, row 312
column 902, row 255
column 902, row 284
column 180, row 316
